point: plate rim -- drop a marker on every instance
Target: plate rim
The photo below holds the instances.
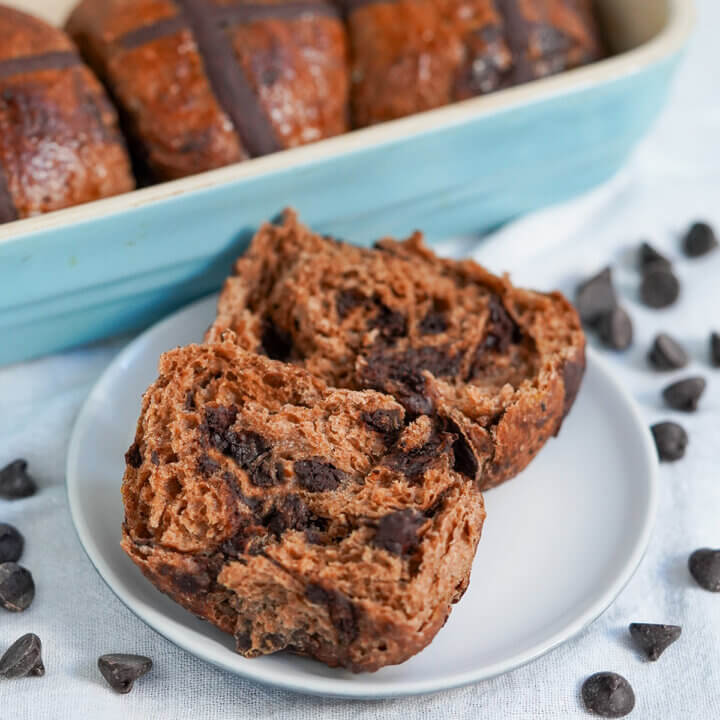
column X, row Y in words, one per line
column 345, row 687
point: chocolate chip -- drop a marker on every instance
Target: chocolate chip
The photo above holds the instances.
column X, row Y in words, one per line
column 15, row 482
column 401, row 374
column 573, row 370
column 266, row 472
column 290, row 513
column 671, row 441
column 397, row 532
column 11, row 543
column 659, row 288
column 243, row 641
column 608, row 694
column 218, row 421
column 433, row 323
column 276, row 343
column 413, row 463
column 121, row 670
column 133, row 457
column 207, row 466
column 318, row 475
column 189, row 401
column 501, row 329
column 596, row 296
column 715, row 349
column 386, row 422
column 685, row 394
column 466, row 462
column 649, row 257
column 341, row 611
column 704, row 565
column 667, row 353
column 17, row 588
column 615, row 329
column 699, row 240
column 23, row 658
column 391, row 323
column 347, row 300
column 654, row 639
column 245, row 447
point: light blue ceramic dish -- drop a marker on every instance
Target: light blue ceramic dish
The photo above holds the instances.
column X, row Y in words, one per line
column 81, row 274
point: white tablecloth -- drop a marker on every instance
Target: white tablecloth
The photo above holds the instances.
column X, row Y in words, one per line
column 673, row 179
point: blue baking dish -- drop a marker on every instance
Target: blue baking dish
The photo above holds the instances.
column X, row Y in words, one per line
column 116, row 265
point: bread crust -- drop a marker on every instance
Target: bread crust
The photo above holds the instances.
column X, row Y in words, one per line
column 507, row 395
column 59, row 140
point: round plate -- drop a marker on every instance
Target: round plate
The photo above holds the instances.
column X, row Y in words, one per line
column 560, row 541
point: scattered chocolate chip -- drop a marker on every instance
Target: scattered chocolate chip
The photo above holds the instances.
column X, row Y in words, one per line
column 654, row 639
column 715, row 349
column 343, row 614
column 15, row 482
column 397, row 532
column 133, row 457
column 433, row 323
column 608, row 694
column 17, row 588
column 699, row 240
column 704, row 565
column 207, row 466
column 596, row 296
column 189, row 401
column 659, row 288
column 347, row 300
column 386, row 422
column 671, row 441
column 11, row 543
column 667, row 353
column 23, row 658
column 318, row 475
column 615, row 329
column 391, row 323
column 685, row 394
column 276, row 343
column 649, row 257
column 121, row 670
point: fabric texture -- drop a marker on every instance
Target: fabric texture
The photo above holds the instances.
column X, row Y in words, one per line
column 673, row 179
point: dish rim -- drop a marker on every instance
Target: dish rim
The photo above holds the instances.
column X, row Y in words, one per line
column 668, row 41
column 344, row 687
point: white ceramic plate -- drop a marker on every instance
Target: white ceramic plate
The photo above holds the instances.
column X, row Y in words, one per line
column 559, row 544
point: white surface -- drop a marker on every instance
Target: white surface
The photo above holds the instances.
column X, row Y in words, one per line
column 666, row 43
column 559, row 544
column 673, row 179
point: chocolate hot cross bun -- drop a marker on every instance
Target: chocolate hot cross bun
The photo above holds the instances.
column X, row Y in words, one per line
column 59, row 140
column 205, row 83
column 414, row 55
